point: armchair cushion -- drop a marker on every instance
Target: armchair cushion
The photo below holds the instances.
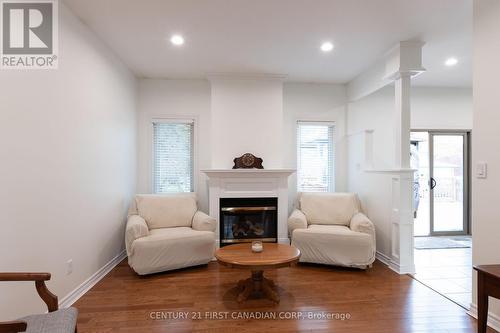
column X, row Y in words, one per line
column 329, row 208
column 297, row 220
column 334, row 244
column 166, row 211
column 171, row 248
column 136, row 228
column 203, row 222
column 60, row 321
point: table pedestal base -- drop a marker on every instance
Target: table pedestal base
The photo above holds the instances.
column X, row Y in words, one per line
column 257, row 283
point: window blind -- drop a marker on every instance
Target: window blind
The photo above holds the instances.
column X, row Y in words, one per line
column 315, row 157
column 173, row 156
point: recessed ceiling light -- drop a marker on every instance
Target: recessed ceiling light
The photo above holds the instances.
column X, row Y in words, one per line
column 326, row 47
column 451, row 62
column 177, row 40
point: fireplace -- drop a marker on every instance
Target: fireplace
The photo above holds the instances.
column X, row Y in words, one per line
column 247, row 184
column 247, row 219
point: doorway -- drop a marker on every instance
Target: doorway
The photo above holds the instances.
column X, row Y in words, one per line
column 441, row 185
column 443, row 255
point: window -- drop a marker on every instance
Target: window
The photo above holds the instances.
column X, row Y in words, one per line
column 315, row 156
column 173, row 156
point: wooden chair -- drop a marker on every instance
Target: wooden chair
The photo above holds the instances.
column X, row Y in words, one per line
column 55, row 320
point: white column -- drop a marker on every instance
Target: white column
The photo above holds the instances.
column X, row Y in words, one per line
column 402, row 260
column 402, row 121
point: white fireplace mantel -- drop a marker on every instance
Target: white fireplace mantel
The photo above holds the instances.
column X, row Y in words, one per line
column 248, row 172
column 250, row 183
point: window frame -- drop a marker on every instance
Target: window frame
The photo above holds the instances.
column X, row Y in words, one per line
column 181, row 119
column 333, row 170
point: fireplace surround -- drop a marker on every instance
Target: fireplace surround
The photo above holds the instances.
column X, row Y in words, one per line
column 250, row 184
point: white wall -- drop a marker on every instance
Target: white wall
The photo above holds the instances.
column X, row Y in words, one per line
column 373, row 112
column 67, row 171
column 485, row 138
column 175, row 98
column 192, row 99
column 314, row 102
column 300, row 101
column 441, row 108
column 431, row 108
column 247, row 117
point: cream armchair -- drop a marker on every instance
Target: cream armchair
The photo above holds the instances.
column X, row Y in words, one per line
column 166, row 232
column 329, row 228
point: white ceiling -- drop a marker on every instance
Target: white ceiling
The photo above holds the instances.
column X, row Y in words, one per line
column 281, row 36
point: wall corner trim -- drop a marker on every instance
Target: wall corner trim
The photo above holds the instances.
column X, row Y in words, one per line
column 79, row 291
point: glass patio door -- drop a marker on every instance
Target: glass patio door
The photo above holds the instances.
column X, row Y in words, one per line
column 441, row 182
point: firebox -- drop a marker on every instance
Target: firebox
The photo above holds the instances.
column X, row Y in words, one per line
column 247, row 219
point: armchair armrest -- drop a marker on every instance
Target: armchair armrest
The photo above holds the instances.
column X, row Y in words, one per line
column 39, row 278
column 136, row 228
column 13, row 326
column 361, row 223
column 297, row 220
column 204, row 222
column 17, row 276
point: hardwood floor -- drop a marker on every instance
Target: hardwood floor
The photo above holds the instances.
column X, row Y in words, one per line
column 376, row 300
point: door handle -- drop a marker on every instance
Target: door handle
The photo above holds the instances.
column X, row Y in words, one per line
column 433, row 183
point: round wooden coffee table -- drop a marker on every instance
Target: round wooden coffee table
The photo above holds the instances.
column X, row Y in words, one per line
column 273, row 256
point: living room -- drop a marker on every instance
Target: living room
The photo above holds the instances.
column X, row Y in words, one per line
column 249, row 165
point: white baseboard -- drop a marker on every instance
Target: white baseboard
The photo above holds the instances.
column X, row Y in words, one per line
column 401, row 269
column 383, row 258
column 493, row 319
column 394, row 265
column 79, row 291
column 284, row 240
